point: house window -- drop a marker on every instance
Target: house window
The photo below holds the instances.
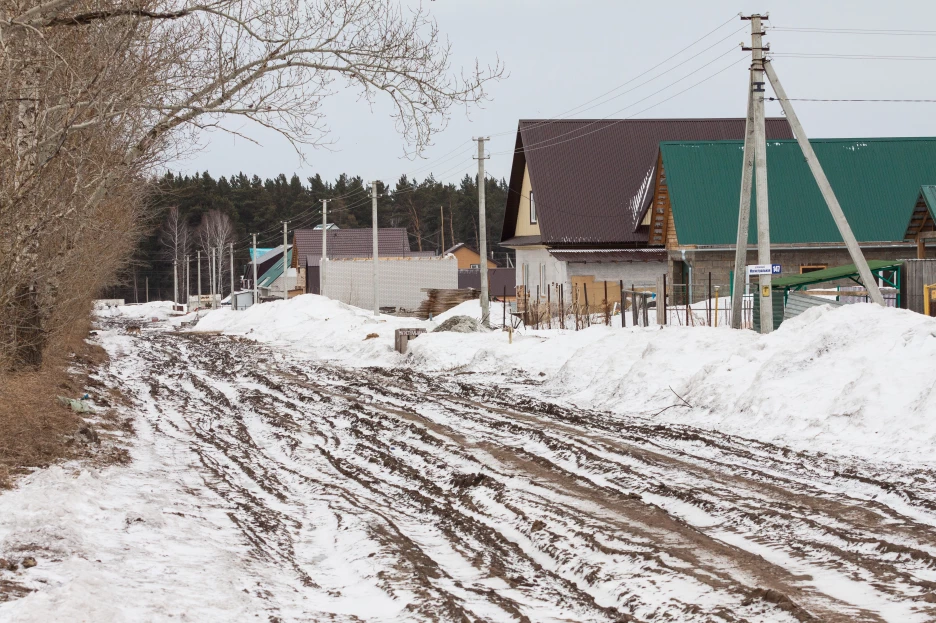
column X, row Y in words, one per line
column 811, row 268
column 532, row 209
column 475, row 266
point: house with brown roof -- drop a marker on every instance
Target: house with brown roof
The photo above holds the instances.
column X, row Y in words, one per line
column 579, row 196
column 468, row 257
column 345, row 244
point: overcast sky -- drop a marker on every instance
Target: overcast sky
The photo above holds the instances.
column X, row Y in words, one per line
column 562, row 54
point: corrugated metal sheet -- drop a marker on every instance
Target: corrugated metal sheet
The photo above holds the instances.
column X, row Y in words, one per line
column 929, row 197
column 402, row 281
column 914, row 275
column 350, row 243
column 592, row 178
column 830, row 274
column 877, row 183
column 271, row 275
column 777, row 300
column 798, row 302
column 602, row 256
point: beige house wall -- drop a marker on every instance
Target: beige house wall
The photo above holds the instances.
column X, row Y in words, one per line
column 524, row 227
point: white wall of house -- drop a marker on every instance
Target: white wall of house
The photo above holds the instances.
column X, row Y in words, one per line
column 536, row 267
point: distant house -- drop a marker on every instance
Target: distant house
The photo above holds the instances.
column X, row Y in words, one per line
column 345, row 244
column 273, row 281
column 877, row 182
column 468, row 257
column 265, row 260
column 579, row 191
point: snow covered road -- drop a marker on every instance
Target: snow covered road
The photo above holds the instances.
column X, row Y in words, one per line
column 267, row 487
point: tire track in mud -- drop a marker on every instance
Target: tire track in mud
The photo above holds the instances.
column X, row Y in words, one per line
column 475, row 502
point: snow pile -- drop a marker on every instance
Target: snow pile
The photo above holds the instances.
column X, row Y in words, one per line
column 316, row 326
column 161, row 310
column 850, row 380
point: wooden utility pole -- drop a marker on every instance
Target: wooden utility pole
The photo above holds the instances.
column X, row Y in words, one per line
column 255, row 291
column 744, row 212
column 285, row 263
column 188, row 281
column 825, row 188
column 324, row 247
column 760, row 169
column 175, row 282
column 442, row 229
column 199, row 279
column 482, row 235
column 374, row 230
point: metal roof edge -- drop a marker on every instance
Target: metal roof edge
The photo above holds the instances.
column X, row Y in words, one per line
column 880, row 139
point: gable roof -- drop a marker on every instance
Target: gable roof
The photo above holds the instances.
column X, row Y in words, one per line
column 876, row 180
column 593, row 177
column 274, row 271
column 350, row 243
column 923, row 217
column 464, row 245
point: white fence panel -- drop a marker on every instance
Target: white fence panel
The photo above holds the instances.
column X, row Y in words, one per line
column 401, row 280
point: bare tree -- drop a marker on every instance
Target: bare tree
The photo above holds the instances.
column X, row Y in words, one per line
column 215, row 232
column 97, row 93
column 176, row 238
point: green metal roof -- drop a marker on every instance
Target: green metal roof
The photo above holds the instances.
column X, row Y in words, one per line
column 929, row 197
column 877, row 182
column 274, row 272
column 831, row 274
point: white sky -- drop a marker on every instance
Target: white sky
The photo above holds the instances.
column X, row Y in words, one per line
column 560, row 55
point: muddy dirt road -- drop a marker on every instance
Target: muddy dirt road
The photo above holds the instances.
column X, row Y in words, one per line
column 374, row 494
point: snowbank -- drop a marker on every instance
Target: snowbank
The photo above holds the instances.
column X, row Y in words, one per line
column 851, row 380
column 161, row 310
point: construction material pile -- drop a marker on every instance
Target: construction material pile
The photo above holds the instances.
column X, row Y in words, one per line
column 439, row 301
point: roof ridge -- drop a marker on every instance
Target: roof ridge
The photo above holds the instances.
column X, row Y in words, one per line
column 874, row 139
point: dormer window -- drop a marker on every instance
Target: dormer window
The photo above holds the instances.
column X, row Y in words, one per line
column 532, row 209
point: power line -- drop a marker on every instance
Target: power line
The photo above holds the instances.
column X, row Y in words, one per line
column 856, row 31
column 817, row 99
column 861, row 57
column 552, row 142
column 642, row 74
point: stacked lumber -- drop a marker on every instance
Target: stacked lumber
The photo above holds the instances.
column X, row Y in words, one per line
column 439, row 301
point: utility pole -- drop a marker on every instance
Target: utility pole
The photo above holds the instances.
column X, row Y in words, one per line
column 744, row 211
column 285, row 257
column 482, row 236
column 175, row 283
column 760, row 169
column 147, row 289
column 255, row 291
column 442, row 229
column 826, row 189
column 188, row 282
column 232, row 273
column 198, row 305
column 324, row 247
column 374, row 228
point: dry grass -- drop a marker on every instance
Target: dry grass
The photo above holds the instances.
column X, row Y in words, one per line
column 35, row 430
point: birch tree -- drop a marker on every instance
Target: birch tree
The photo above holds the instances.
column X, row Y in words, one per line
column 100, row 92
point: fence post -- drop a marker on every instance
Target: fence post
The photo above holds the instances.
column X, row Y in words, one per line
column 708, row 301
column 623, row 317
column 587, row 310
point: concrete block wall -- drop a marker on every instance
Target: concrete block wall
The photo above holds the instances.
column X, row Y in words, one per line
column 401, row 281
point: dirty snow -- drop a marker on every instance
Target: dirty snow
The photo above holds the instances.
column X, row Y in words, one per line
column 852, row 380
